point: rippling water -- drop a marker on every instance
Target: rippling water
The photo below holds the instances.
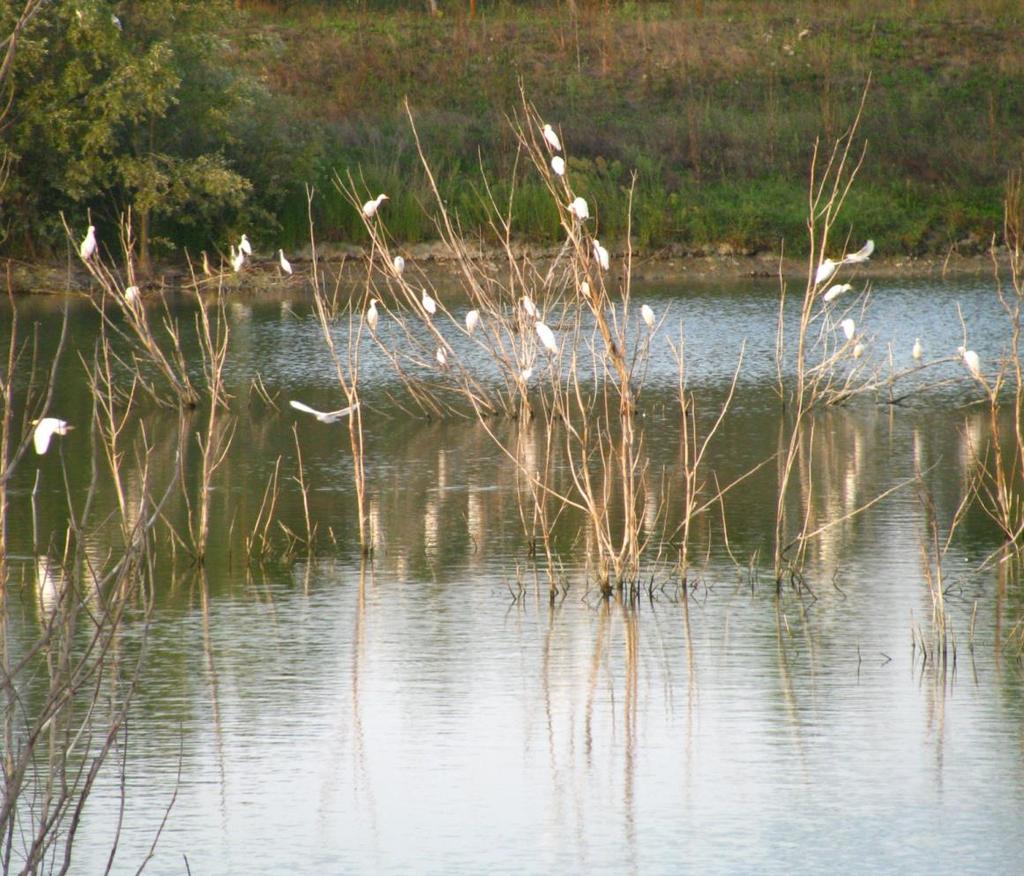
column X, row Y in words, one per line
column 433, row 710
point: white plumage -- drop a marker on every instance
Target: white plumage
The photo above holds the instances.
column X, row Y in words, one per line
column 528, row 306
column 370, row 207
column 849, row 327
column 88, row 245
column 579, row 208
column 552, row 138
column 372, row 315
column 547, row 337
column 972, row 360
column 286, row 265
column 429, row 304
column 472, row 320
column 45, row 429
column 442, row 357
column 558, row 165
column 399, row 265
column 245, row 246
column 648, row 315
column 918, row 351
column 132, row 294
column 601, row 254
column 324, row 416
column 835, row 291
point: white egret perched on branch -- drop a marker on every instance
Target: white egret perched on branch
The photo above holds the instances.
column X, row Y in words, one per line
column 858, row 351
column 585, row 289
column 829, row 266
column 601, row 254
column 972, row 361
column 442, row 357
column 429, row 304
column 558, row 165
column 399, row 265
column 648, row 315
column 371, row 315
column 579, row 208
column 547, row 337
column 370, row 207
column 528, row 306
column 472, row 320
column 88, row 245
column 286, row 265
column 849, row 327
column 45, row 429
column 551, row 138
column 835, row 291
column 324, row 416
column 245, row 246
column 132, row 294
column 918, row 351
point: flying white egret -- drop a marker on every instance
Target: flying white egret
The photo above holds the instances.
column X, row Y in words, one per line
column 472, row 320
column 551, row 137
column 286, row 265
column 528, row 306
column 429, row 304
column 601, row 254
column 132, row 294
column 579, row 208
column 245, row 246
column 858, row 351
column 558, row 165
column 547, row 338
column 918, row 350
column 835, row 291
column 972, row 361
column 399, row 265
column 323, row 416
column 442, row 357
column 88, row 245
column 371, row 315
column 45, row 429
column 849, row 327
column 370, row 207
column 648, row 315
column 237, row 259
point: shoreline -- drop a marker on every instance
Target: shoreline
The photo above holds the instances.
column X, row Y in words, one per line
column 346, row 264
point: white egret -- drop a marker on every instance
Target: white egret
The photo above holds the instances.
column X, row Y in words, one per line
column 849, row 327
column 372, row 315
column 286, row 265
column 558, row 165
column 858, row 351
column 45, row 429
column 88, row 245
column 114, row 20
column 648, row 315
column 825, row 270
column 528, row 306
column 552, row 138
column 324, row 416
column 245, row 246
column 399, row 265
column 547, row 338
column 972, row 361
column 207, row 270
column 370, row 207
column 585, row 289
column 442, row 357
column 237, row 259
column 601, row 254
column 472, row 320
column 835, row 291
column 132, row 294
column 525, row 374
column 918, row 350
column 429, row 304
column 579, row 208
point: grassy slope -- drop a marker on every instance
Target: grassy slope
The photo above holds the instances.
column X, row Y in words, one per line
column 717, row 114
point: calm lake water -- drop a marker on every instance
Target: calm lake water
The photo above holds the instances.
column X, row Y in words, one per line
column 432, row 710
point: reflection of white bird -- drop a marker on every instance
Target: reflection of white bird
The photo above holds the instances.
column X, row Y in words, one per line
column 442, row 357
column 558, row 165
column 45, row 429
column 858, row 351
column 370, row 207
column 88, row 245
column 371, row 315
column 472, row 320
column 528, row 306
column 286, row 265
column 245, row 246
column 849, row 327
column 601, row 254
column 399, row 265
column 552, row 138
column 648, row 315
column 429, row 304
column 834, row 292
column 972, row 361
column 918, row 351
column 324, row 416
column 547, row 338
column 579, row 208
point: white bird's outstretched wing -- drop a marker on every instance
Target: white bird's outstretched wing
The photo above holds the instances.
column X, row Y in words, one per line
column 306, row 409
column 861, row 255
column 323, row 416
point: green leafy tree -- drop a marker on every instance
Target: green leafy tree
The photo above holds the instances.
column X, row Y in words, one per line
column 124, row 106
